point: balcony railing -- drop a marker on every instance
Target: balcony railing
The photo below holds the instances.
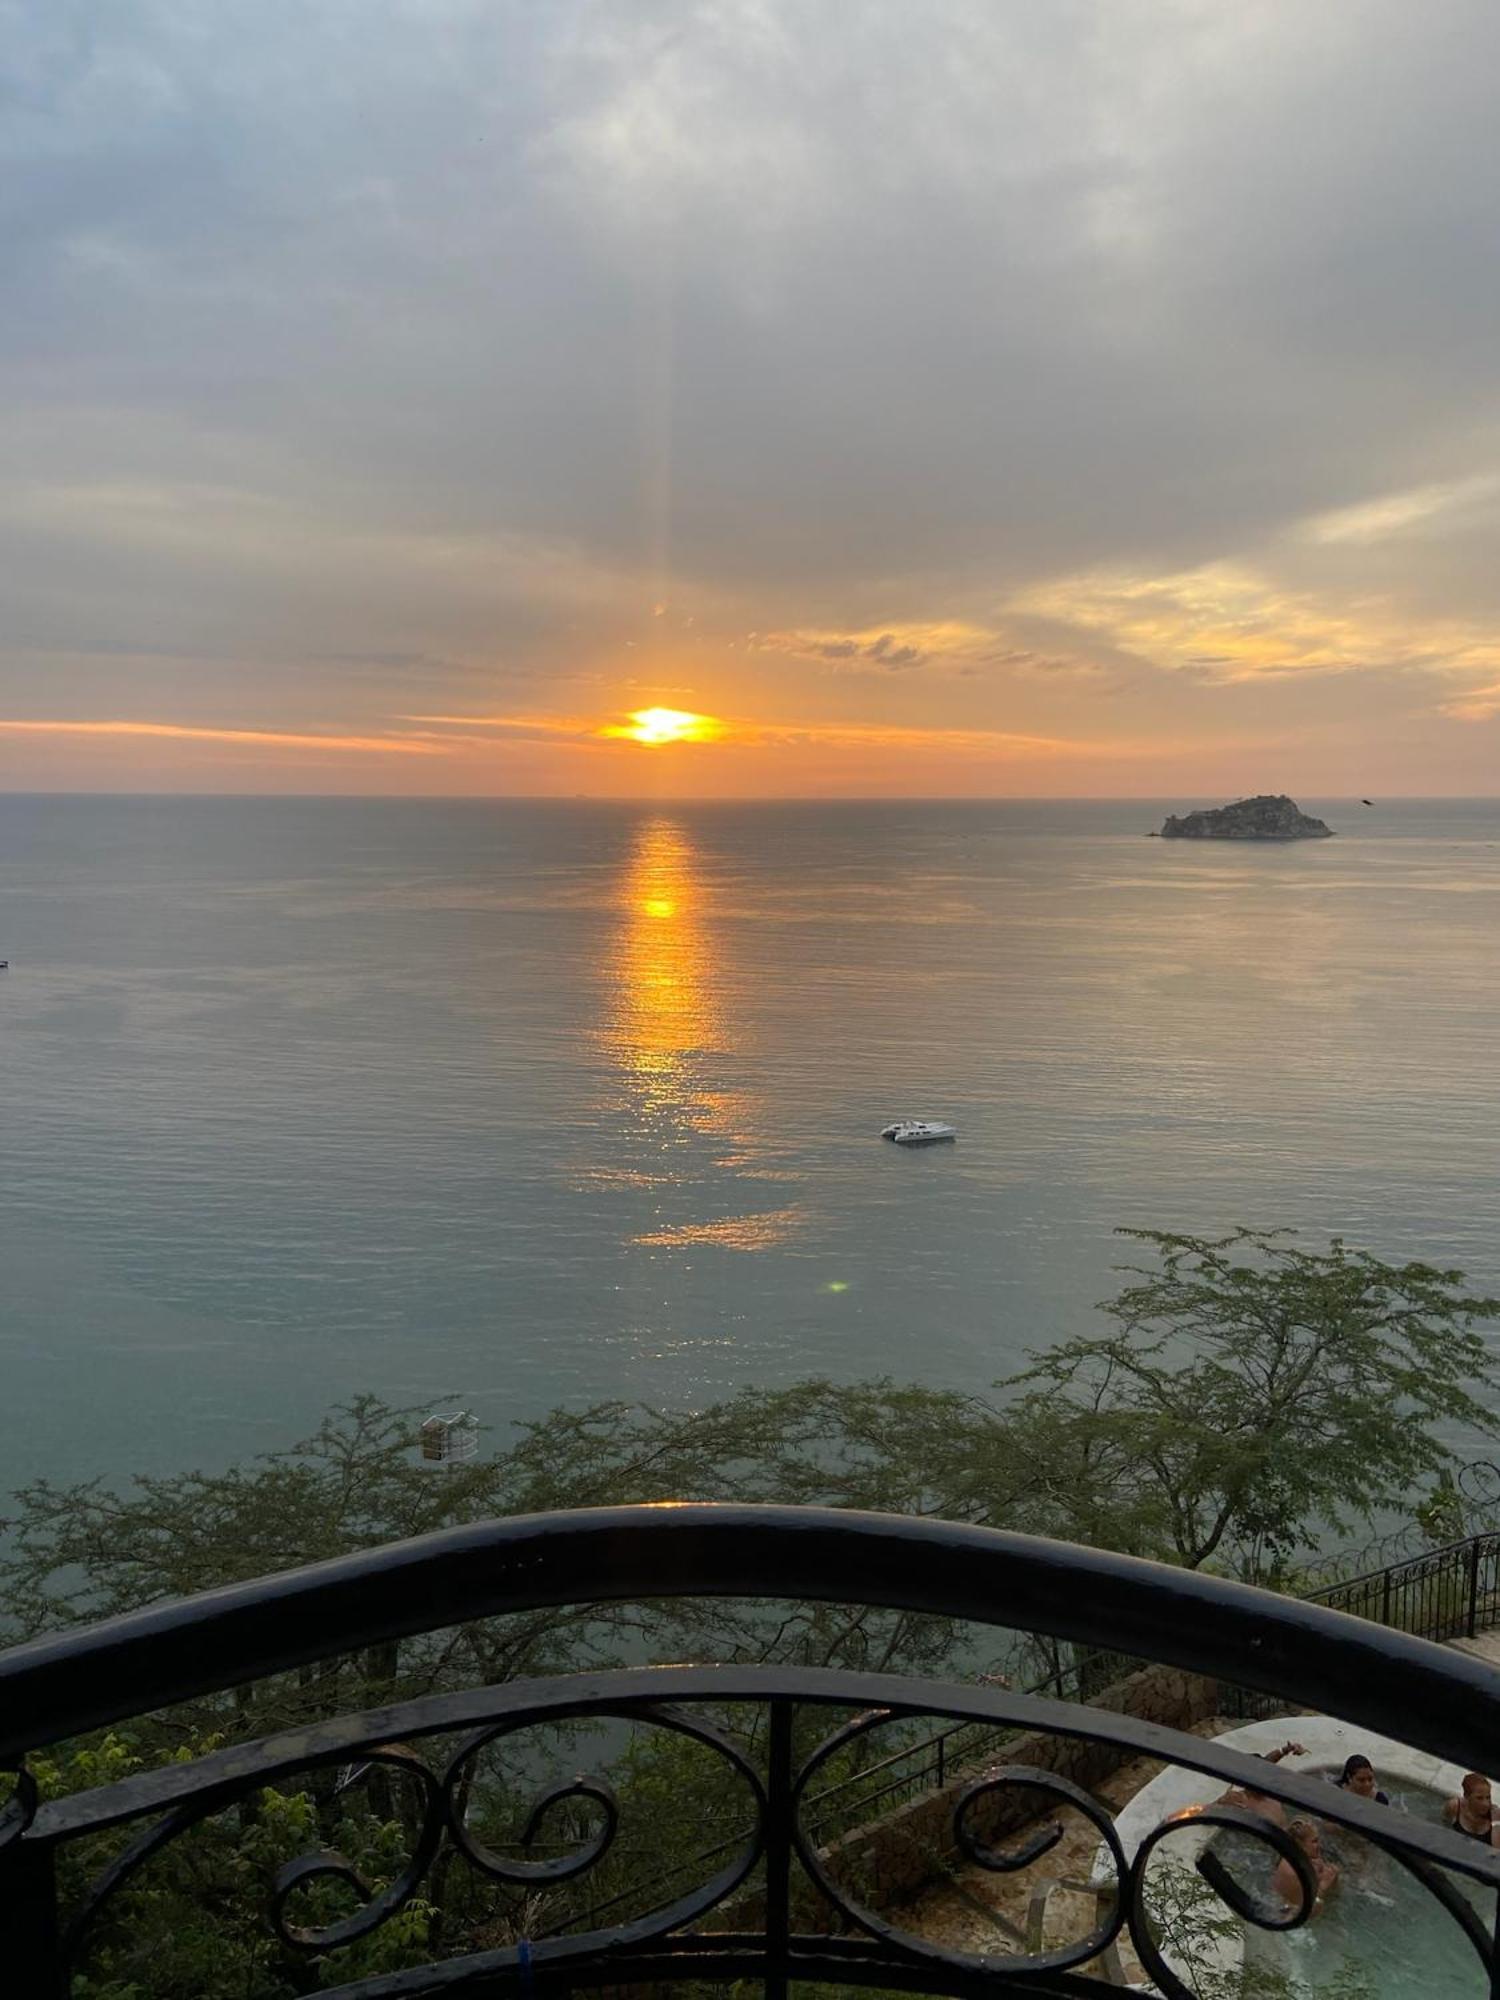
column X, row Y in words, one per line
column 1443, row 1593
column 745, row 1920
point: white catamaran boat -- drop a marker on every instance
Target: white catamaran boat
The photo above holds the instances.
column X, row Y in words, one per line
column 918, row 1132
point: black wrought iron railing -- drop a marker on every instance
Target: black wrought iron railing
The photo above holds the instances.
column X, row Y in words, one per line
column 1445, row 1593
column 775, row 1906
column 933, row 1761
column 1441, row 1593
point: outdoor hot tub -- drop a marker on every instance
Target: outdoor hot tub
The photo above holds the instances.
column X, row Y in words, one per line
column 1380, row 1923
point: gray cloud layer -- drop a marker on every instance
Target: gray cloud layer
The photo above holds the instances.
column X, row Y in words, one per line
column 365, row 345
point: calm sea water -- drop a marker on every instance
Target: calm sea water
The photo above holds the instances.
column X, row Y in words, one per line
column 528, row 1103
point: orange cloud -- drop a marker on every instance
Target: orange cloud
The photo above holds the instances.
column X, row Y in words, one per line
column 279, row 739
column 1480, row 704
column 747, row 733
column 889, row 648
column 513, row 725
column 1230, row 622
column 896, row 736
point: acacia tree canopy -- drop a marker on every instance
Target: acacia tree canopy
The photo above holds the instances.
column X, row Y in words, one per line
column 1250, row 1396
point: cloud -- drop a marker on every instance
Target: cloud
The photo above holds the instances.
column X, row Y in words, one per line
column 1477, row 704
column 1231, row 623
column 949, row 644
column 257, row 739
column 773, row 733
column 933, row 739
column 578, row 729
column 1398, row 513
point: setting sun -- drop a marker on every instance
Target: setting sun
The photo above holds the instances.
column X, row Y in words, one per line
column 656, row 726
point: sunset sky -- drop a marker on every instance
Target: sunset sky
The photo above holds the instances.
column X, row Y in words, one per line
column 943, row 396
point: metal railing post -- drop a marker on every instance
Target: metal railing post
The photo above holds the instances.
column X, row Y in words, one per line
column 1473, row 1626
column 29, row 1921
column 778, row 1850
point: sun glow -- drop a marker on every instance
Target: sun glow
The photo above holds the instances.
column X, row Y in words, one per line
column 655, row 726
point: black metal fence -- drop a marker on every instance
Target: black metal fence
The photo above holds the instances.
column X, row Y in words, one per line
column 52, row 1917
column 1446, row 1593
column 938, row 1759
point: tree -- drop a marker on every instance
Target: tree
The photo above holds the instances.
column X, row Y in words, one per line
column 1251, row 1396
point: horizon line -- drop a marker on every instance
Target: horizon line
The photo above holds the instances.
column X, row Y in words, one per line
column 746, row 798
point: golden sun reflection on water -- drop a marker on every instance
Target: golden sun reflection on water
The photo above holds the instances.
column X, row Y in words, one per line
column 730, row 1232
column 666, row 1016
column 669, row 1034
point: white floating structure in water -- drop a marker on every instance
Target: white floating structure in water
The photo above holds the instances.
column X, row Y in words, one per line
column 919, row 1132
column 449, row 1440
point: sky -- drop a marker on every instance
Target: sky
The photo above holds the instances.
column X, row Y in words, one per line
column 944, row 397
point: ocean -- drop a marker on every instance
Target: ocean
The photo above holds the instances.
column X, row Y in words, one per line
column 505, row 1105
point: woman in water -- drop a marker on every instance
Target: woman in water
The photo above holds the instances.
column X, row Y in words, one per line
column 1286, row 1881
column 1473, row 1812
column 1251, row 1800
column 1358, row 1776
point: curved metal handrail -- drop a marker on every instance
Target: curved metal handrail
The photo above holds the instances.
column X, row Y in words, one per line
column 1308, row 1654
column 1443, row 1702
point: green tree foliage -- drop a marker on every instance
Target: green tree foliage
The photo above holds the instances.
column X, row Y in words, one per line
column 193, row 1921
column 1251, row 1395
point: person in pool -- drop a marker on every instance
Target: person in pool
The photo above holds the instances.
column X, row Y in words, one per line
column 1358, row 1776
column 1473, row 1812
column 1325, row 1873
column 1251, row 1800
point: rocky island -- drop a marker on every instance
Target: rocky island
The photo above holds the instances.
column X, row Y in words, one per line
column 1265, row 818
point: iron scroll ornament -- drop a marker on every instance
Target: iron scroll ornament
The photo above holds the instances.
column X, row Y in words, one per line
column 1128, row 1909
column 377, row 1907
column 568, row 1867
column 440, row 1817
column 584, row 1958
column 907, row 1943
column 1259, row 1911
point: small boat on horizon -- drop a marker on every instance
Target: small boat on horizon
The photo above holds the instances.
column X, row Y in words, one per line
column 919, row 1132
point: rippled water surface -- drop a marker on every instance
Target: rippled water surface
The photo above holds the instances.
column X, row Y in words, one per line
column 530, row 1103
column 1381, row 1931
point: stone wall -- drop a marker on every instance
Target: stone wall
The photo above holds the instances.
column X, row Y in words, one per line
column 894, row 1857
column 888, row 1861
